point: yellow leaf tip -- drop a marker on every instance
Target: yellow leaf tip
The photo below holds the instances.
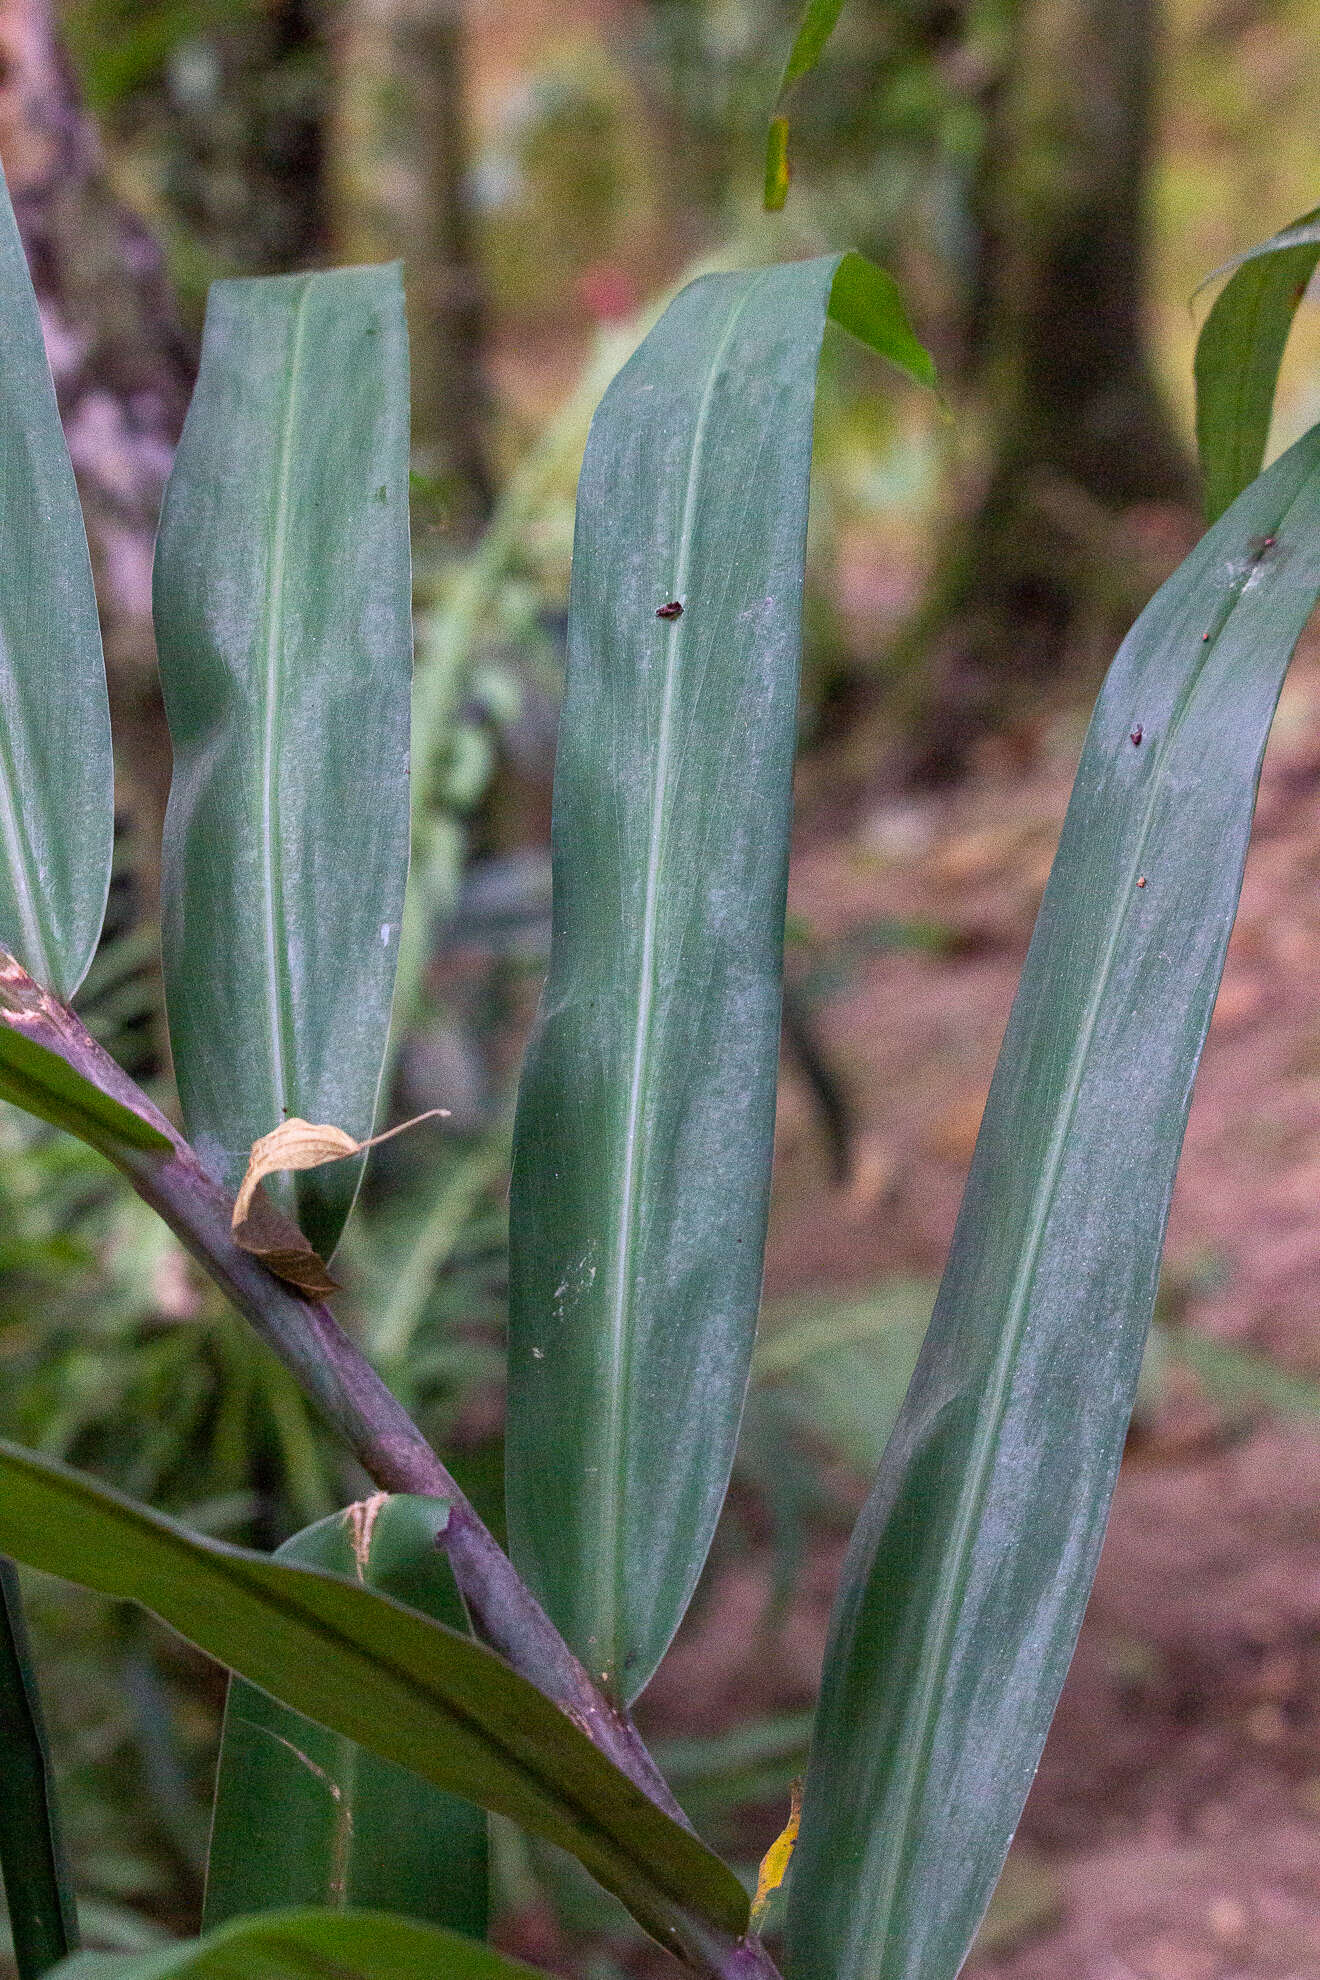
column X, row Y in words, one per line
column 777, row 169
column 775, row 1862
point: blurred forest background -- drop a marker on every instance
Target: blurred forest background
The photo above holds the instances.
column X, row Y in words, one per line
column 1050, row 180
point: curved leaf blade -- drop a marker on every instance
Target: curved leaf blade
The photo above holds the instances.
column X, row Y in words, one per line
column 308, row 1945
column 38, row 1891
column 52, row 1088
column 818, row 22
column 646, row 1113
column 283, row 619
column 56, row 770
column 866, row 302
column 303, row 1815
column 970, row 1567
column 1238, row 355
column 391, row 1680
column 49, row 1082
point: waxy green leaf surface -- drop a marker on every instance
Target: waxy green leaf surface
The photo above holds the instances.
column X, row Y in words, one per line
column 283, row 618
column 308, row 1945
column 391, row 1680
column 969, row 1570
column 305, row 1816
column 646, row 1114
column 56, row 772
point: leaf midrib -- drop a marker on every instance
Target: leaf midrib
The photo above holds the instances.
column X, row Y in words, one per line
column 273, row 928
column 611, row 1593
column 914, row 1752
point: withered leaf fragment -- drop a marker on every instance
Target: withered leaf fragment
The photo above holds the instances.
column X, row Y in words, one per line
column 263, row 1230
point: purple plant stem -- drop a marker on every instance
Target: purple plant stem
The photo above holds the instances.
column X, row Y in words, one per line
column 352, row 1398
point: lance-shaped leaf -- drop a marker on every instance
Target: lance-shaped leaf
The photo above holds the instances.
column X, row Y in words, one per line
column 393, row 1681
column 308, row 1945
column 303, row 1815
column 970, row 1567
column 283, row 619
column 56, row 772
column 643, row 1139
column 1238, row 355
column 42, row 1919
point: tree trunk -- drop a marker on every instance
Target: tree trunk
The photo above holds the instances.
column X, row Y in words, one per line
column 396, row 164
column 1035, row 578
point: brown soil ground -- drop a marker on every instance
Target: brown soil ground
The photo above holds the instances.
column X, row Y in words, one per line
column 1174, row 1829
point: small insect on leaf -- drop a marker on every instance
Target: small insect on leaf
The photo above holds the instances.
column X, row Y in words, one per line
column 775, row 1862
column 1141, row 879
column 673, row 610
column 1135, row 737
column 261, row 1229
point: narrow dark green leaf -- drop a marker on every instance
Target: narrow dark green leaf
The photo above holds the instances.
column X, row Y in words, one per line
column 283, row 618
column 42, row 1919
column 303, row 1815
column 56, row 772
column 1238, row 354
column 970, row 1567
column 41, row 1080
column 308, row 1945
column 642, row 1146
column 398, row 1684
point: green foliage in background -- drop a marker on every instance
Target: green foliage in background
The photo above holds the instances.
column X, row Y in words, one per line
column 371, row 1696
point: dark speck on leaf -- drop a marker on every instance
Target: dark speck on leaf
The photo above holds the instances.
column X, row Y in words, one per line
column 673, row 610
column 1135, row 737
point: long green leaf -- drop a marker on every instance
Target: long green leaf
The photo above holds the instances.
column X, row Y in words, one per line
column 42, row 1919
column 642, row 1145
column 1238, row 354
column 308, row 1945
column 398, row 1684
column 283, row 618
column 304, row 1816
column 56, row 772
column 970, row 1567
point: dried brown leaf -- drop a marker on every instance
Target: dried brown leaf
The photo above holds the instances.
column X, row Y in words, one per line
column 261, row 1229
